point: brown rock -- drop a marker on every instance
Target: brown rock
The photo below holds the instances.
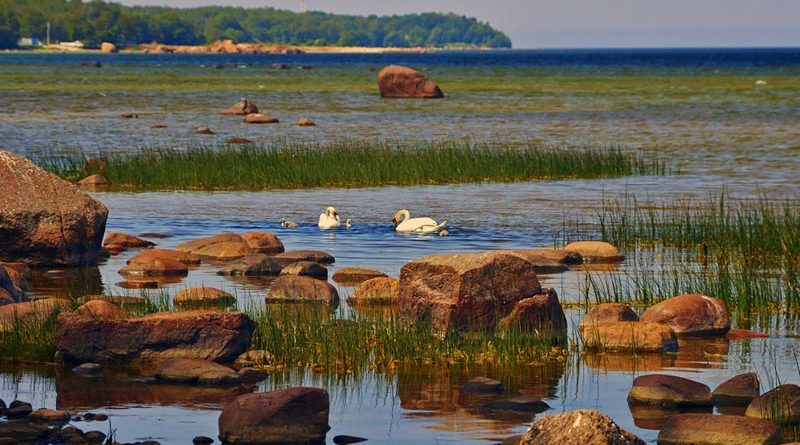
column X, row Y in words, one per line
column 150, row 255
column 581, row 427
column 114, row 249
column 45, row 220
column 668, row 391
column 395, row 81
column 30, row 311
column 49, row 416
column 464, row 291
column 258, row 118
column 691, row 314
column 306, row 269
column 158, row 126
column 119, row 300
column 108, row 47
column 207, row 244
column 381, row 290
column 263, row 242
column 208, row 335
column 483, row 384
column 744, row 334
column 224, row 251
column 297, row 289
column 196, row 371
column 708, row 429
column 780, row 405
column 254, row 358
column 93, row 181
column 155, row 267
column 551, row 260
column 241, row 108
column 607, row 312
column 258, row 264
column 738, row 390
column 541, row 313
column 137, row 284
column 203, row 296
column 294, row 256
column 101, row 310
column 203, row 130
column 596, row 251
column 238, row 141
column 306, row 122
column 356, row 275
column 284, row 416
column 127, row 241
column 629, row 336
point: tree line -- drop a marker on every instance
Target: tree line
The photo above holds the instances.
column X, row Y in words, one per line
column 97, row 21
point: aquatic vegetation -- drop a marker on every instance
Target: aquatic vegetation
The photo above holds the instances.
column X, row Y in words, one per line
column 28, row 339
column 354, row 163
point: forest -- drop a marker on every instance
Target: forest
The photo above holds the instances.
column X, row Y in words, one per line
column 97, row 21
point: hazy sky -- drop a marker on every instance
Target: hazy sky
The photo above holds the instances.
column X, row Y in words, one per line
column 587, row 23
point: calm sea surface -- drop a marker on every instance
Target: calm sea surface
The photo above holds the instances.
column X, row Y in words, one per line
column 724, row 119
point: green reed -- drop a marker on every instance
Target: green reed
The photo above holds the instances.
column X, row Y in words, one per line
column 353, row 163
column 28, row 339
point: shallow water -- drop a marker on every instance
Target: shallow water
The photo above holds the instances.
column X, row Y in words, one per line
column 699, row 110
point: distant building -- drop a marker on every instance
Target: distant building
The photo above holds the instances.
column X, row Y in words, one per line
column 29, row 41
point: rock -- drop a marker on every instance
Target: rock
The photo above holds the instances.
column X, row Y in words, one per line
column 150, row 255
column 107, row 47
column 607, row 312
column 30, row 311
column 49, row 415
column 258, row 264
column 127, row 241
column 691, row 314
column 356, row 275
column 483, row 384
column 113, row 249
column 255, row 358
column 541, row 314
column 780, row 405
column 258, row 118
column 743, row 334
column 18, row 409
column 263, row 242
column 241, row 108
column 551, row 260
column 738, row 390
column 137, row 284
column 19, row 273
column 94, row 437
column 344, row 439
column 203, row 296
column 238, row 141
column 306, row 122
column 581, row 427
column 96, row 180
column 101, row 310
column 207, row 335
column 10, row 293
column 525, row 404
column 629, row 336
column 202, row 440
column 294, row 256
column 88, row 369
column 382, row 290
column 596, row 251
column 284, row 416
column 203, row 130
column 306, row 269
column 395, row 81
column 465, row 291
column 299, row 289
column 669, row 391
column 129, row 115
column 224, row 247
column 195, row 371
column 708, row 429
column 119, row 300
column 158, row 126
column 155, row 267
column 45, row 220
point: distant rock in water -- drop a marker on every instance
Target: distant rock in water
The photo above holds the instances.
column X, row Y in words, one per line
column 238, row 141
column 241, row 108
column 107, row 48
column 258, row 118
column 203, row 130
column 45, row 220
column 306, row 122
column 395, row 81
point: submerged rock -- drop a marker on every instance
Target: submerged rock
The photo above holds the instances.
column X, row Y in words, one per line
column 294, row 256
column 306, row 269
column 127, row 241
column 669, row 391
column 691, row 314
column 525, row 404
column 45, row 220
column 709, row 429
column 196, row 371
column 629, row 336
column 395, row 81
column 306, row 122
column 258, row 118
column 483, row 384
column 293, row 415
column 356, row 275
column 581, row 427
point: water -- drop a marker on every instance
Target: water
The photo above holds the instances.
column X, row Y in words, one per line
column 699, row 109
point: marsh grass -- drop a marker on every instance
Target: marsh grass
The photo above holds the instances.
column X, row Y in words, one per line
column 353, row 163
column 28, row 339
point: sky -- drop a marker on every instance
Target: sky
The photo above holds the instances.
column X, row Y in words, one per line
column 585, row 23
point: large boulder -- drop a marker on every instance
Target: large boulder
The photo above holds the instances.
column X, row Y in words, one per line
column 263, row 242
column 376, row 291
column 629, row 336
column 301, row 289
column 708, row 429
column 292, row 415
column 356, row 275
column 206, row 335
column 738, row 390
column 607, row 312
column 241, row 108
column 463, row 291
column 541, row 314
column 596, row 251
column 254, row 265
column 395, row 81
column 581, row 427
column 781, row 405
column 668, row 391
column 691, row 314
column 45, row 220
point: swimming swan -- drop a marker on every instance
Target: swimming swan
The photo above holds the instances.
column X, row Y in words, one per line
column 418, row 225
column 347, row 223
column 329, row 219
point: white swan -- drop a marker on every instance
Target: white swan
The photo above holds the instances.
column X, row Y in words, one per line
column 329, row 219
column 418, row 225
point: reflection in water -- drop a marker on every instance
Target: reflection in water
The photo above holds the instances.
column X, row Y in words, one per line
column 653, row 417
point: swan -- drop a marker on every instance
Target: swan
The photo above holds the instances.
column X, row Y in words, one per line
column 329, row 219
column 288, row 224
column 418, row 225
